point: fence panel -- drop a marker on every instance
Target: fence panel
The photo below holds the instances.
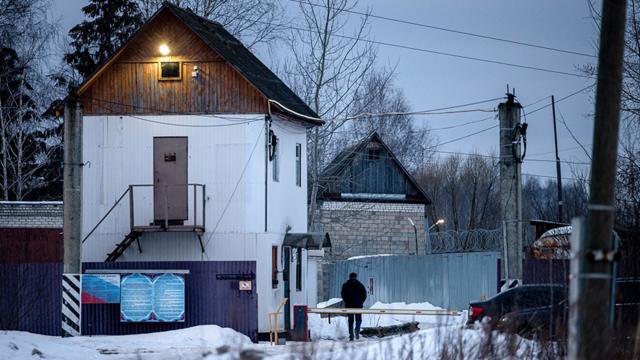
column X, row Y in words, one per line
column 208, row 300
column 30, row 297
column 446, row 280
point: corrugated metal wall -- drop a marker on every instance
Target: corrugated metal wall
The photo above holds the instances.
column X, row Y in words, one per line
column 30, row 297
column 208, row 300
column 30, row 245
column 446, row 280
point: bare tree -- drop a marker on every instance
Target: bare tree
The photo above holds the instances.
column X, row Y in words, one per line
column 464, row 192
column 329, row 65
column 253, row 21
column 409, row 142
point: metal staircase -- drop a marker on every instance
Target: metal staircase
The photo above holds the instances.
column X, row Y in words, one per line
column 123, row 245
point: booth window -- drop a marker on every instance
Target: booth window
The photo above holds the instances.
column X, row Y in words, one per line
column 170, row 70
column 299, row 270
column 298, row 165
column 274, row 267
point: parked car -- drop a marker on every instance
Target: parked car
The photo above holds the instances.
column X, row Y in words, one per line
column 519, row 298
column 544, row 322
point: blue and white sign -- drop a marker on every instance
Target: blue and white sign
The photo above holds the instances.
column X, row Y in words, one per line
column 100, row 288
column 152, row 297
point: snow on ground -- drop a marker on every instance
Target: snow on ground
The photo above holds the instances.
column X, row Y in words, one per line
column 335, row 328
column 212, row 342
column 190, row 343
column 329, row 302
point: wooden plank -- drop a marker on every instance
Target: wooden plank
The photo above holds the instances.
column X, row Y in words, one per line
column 130, row 84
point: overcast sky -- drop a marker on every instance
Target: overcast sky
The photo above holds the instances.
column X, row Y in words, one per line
column 433, row 81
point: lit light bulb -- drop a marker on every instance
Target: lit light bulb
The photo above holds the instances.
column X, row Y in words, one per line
column 164, row 49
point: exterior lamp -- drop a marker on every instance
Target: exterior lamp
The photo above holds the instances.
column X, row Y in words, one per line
column 439, row 222
column 164, row 49
column 415, row 231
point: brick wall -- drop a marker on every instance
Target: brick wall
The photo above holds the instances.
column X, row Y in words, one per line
column 26, row 214
column 368, row 228
column 359, row 228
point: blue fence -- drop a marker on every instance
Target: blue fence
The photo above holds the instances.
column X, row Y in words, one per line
column 446, row 280
column 30, row 298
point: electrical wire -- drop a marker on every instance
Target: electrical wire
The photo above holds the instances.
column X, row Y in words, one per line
column 563, row 98
column 166, row 112
column 436, row 52
column 463, row 137
column 488, row 37
column 235, row 188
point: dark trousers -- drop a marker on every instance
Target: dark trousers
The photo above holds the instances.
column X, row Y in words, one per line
column 358, row 318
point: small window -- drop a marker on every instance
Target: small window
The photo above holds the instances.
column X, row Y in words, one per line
column 298, row 165
column 275, row 163
column 374, row 154
column 299, row 270
column 274, row 267
column 170, row 70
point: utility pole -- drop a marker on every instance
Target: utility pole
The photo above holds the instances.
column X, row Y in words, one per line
column 590, row 330
column 511, row 133
column 72, row 226
column 558, row 169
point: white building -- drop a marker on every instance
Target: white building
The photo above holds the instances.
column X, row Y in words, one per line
column 195, row 151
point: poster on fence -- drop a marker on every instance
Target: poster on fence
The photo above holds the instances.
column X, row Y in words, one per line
column 100, row 288
column 152, row 297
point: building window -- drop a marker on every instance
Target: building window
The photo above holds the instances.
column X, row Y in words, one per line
column 299, row 270
column 275, row 162
column 298, row 165
column 374, row 154
column 274, row 267
column 170, row 70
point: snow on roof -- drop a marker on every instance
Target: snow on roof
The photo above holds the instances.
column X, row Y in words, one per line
column 563, row 230
column 368, row 256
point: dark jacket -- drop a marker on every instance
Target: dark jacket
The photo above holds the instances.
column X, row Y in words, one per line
column 353, row 293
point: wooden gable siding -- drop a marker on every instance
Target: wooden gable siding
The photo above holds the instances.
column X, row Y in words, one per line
column 131, row 85
column 372, row 170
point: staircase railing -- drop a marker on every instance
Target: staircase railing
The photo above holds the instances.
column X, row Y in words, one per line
column 107, row 214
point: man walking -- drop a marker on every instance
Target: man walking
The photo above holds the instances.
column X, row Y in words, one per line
column 354, row 294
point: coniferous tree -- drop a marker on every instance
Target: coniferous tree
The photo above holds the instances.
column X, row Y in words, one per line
column 109, row 24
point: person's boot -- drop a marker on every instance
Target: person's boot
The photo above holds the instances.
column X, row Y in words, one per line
column 351, row 337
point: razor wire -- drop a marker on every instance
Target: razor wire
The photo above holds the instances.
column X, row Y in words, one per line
column 466, row 241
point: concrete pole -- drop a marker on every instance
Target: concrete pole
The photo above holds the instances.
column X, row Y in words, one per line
column 592, row 338
column 72, row 196
column 510, row 189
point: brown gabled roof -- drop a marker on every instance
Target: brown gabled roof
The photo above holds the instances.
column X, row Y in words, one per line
column 215, row 36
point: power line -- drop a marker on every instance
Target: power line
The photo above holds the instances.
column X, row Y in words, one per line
column 561, row 150
column 498, row 158
column 553, row 177
column 463, row 137
column 562, row 98
column 239, row 120
column 488, row 37
column 436, row 52
column 235, row 188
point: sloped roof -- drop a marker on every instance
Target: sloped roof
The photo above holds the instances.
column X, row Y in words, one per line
column 238, row 56
column 334, row 171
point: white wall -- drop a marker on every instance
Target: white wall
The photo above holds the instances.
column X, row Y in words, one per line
column 119, row 152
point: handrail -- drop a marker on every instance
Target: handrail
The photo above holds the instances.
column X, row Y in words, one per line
column 107, row 214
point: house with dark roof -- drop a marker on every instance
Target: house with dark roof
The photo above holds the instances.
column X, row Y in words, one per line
column 370, row 204
column 196, row 162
